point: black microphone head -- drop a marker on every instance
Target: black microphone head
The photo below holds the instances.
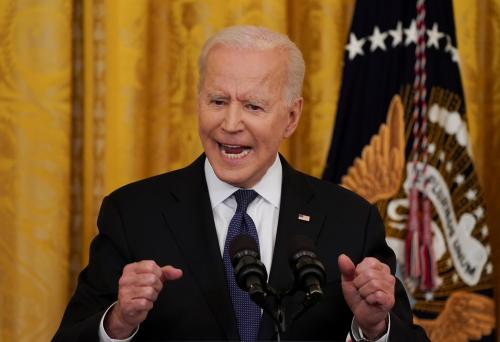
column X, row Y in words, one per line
column 249, row 272
column 243, row 243
column 300, row 244
column 309, row 271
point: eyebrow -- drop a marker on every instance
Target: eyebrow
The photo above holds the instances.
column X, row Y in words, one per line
column 250, row 99
column 218, row 96
column 255, row 100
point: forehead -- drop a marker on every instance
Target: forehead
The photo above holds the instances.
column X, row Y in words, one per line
column 240, row 69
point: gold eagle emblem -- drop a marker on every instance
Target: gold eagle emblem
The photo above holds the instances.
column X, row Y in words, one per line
column 466, row 316
column 378, row 173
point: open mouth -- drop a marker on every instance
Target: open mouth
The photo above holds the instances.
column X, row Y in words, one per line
column 234, row 151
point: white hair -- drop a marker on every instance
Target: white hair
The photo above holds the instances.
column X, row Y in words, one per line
column 259, row 38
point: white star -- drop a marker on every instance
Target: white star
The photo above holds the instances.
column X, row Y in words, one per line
column 459, row 179
column 429, row 296
column 432, row 148
column 397, row 34
column 448, row 46
column 471, row 194
column 442, row 156
column 454, row 278
column 433, row 36
column 484, row 231
column 355, row 46
column 479, row 212
column 454, row 55
column 377, row 39
column 489, row 268
column 449, row 166
column 411, row 33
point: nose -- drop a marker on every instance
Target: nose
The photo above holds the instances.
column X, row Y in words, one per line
column 232, row 122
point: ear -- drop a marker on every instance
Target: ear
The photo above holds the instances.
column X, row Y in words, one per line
column 294, row 112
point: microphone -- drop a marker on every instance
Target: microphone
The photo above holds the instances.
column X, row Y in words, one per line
column 309, row 271
column 249, row 271
column 251, row 276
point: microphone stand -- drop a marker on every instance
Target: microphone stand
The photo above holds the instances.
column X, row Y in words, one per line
column 271, row 301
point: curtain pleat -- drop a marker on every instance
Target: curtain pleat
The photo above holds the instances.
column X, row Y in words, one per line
column 99, row 93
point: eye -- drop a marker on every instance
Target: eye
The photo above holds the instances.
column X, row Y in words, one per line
column 217, row 102
column 252, row 107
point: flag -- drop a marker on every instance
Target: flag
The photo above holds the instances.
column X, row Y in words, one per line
column 401, row 141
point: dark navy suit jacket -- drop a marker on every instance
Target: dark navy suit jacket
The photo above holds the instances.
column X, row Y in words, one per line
column 168, row 219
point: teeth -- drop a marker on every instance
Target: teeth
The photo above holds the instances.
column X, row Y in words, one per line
column 244, row 152
column 236, row 156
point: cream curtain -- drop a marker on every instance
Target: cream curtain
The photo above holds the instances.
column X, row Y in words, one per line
column 98, row 93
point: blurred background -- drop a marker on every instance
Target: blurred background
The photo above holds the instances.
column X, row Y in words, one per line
column 96, row 94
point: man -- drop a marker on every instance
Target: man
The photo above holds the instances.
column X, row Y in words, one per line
column 158, row 268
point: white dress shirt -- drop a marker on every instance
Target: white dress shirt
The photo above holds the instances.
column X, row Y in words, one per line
column 264, row 211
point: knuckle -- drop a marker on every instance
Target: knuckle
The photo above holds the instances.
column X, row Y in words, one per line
column 129, row 267
column 371, row 274
column 142, row 303
column 150, row 265
column 150, row 279
column 149, row 292
column 370, row 261
column 375, row 284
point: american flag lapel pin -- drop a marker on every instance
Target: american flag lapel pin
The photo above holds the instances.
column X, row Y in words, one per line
column 303, row 217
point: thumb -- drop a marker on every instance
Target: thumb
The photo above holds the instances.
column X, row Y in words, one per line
column 171, row 273
column 347, row 268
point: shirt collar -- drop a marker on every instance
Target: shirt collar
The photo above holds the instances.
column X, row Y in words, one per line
column 269, row 187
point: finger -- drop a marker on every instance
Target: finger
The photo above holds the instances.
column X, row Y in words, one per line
column 364, row 277
column 171, row 273
column 148, row 266
column 145, row 292
column 370, row 263
column 346, row 267
column 374, row 286
column 143, row 279
column 381, row 299
column 151, row 280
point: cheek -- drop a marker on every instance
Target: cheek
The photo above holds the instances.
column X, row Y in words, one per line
column 276, row 128
column 206, row 121
column 268, row 135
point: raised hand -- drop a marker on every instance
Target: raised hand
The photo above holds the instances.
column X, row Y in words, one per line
column 368, row 290
column 138, row 288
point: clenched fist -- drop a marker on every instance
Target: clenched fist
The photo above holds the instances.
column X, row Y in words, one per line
column 368, row 289
column 138, row 288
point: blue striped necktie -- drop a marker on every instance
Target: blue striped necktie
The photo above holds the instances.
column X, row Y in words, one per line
column 247, row 312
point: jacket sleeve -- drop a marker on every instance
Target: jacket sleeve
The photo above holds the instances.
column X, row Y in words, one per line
column 97, row 286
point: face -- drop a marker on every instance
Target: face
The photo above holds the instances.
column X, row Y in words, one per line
column 243, row 117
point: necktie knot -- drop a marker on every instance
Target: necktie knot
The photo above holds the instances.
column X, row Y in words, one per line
column 244, row 198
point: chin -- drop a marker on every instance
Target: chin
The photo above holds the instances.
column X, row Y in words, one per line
column 233, row 177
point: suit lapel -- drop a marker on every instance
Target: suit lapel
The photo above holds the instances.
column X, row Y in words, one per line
column 190, row 219
column 191, row 222
column 296, row 198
